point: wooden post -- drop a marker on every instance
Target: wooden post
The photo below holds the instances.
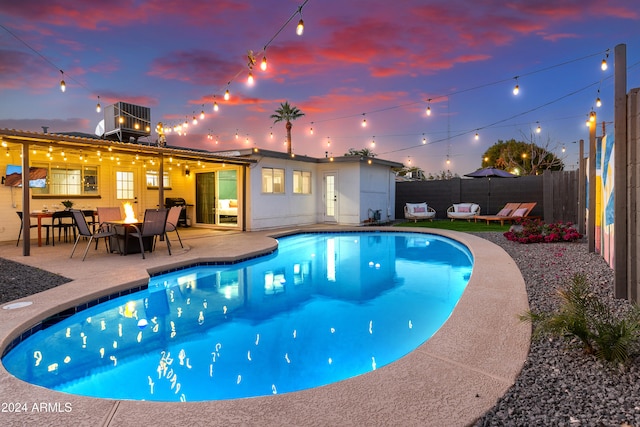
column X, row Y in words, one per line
column 591, row 219
column 26, row 202
column 581, row 190
column 621, row 287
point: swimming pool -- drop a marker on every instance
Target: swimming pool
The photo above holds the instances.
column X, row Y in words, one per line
column 323, row 308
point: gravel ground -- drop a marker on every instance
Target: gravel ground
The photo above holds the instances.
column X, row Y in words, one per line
column 559, row 385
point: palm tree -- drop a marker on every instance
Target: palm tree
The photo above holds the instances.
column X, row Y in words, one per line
column 287, row 113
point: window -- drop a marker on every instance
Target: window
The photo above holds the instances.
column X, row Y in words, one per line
column 302, row 182
column 124, row 185
column 69, row 180
column 153, row 181
column 272, row 180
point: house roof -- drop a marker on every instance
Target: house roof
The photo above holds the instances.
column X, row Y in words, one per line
column 74, row 140
column 257, row 152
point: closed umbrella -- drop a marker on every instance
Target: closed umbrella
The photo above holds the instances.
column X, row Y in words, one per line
column 489, row 173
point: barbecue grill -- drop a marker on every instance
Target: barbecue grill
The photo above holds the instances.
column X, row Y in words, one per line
column 170, row 202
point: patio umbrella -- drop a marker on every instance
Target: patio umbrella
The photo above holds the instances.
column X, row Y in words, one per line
column 489, row 173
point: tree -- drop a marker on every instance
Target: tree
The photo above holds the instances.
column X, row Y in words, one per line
column 365, row 152
column 523, row 158
column 287, row 113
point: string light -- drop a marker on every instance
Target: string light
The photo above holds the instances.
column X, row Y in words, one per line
column 364, row 121
column 604, row 65
column 300, row 26
column 98, row 108
column 373, row 142
column 598, row 102
column 424, row 139
column 429, row 108
column 538, row 129
column 227, row 95
column 202, row 113
column 215, row 106
column 477, row 137
column 250, row 79
column 516, row 89
column 263, row 64
column 63, row 85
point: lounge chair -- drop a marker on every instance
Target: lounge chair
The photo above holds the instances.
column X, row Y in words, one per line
column 510, row 212
column 84, row 231
column 416, row 211
column 463, row 211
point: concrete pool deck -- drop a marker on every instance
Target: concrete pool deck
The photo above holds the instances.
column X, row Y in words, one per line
column 451, row 380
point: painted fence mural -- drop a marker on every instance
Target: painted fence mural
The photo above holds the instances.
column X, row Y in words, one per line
column 604, row 229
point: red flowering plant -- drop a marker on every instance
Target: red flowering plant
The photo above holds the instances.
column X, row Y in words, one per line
column 528, row 230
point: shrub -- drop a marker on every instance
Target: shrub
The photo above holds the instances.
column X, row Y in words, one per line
column 527, row 230
column 583, row 316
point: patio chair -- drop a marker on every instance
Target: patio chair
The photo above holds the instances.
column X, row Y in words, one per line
column 154, row 225
column 505, row 214
column 172, row 221
column 416, row 211
column 463, row 211
column 63, row 221
column 47, row 226
column 84, row 231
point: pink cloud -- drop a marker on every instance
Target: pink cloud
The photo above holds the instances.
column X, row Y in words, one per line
column 195, row 66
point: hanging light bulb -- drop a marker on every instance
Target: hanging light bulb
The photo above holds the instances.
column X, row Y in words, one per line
column 250, row 79
column 300, row 27
column 195, row 121
column 98, row 108
column 538, row 129
column 215, row 106
column 373, row 142
column 364, row 121
column 63, row 85
column 477, row 137
column 311, row 131
column 202, row 113
column 227, row 95
column 516, row 89
column 424, row 139
column 448, row 161
column 563, row 149
column 429, row 108
column 263, row 64
column 598, row 102
column 328, row 142
column 236, row 133
column 592, row 116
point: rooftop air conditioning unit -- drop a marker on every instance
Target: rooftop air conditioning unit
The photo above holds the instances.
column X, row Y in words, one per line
column 123, row 121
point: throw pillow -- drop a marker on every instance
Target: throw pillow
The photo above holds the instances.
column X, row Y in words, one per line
column 519, row 212
column 463, row 208
column 504, row 212
column 419, row 209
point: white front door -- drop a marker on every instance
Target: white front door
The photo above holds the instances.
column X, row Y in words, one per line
column 330, row 197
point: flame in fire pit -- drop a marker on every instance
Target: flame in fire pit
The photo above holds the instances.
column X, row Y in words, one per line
column 129, row 215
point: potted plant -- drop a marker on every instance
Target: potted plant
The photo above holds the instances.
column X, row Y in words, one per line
column 68, row 204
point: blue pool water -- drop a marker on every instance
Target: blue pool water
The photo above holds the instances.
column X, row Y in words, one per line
column 322, row 308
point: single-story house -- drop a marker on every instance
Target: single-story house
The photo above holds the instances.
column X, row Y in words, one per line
column 248, row 189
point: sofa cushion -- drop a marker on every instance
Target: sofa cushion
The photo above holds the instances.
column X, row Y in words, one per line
column 504, row 212
column 464, row 208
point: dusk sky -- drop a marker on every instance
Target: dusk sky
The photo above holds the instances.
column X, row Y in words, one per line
column 377, row 60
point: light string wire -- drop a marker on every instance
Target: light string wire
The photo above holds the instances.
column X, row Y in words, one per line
column 462, row 133
column 298, row 12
